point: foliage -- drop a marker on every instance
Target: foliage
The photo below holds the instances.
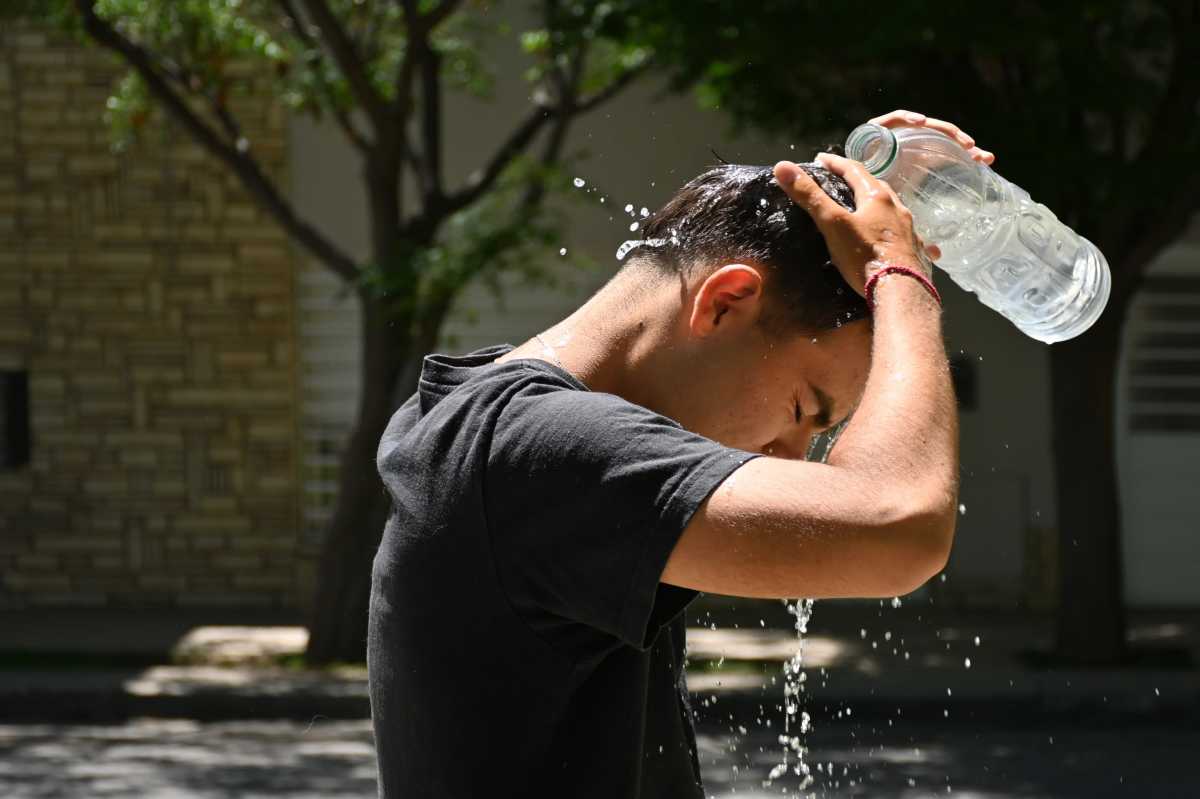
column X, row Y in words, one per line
column 208, row 52
column 1068, row 94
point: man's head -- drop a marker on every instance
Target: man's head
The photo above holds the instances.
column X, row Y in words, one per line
column 773, row 344
column 739, row 213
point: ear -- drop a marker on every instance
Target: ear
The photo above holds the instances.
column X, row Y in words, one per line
column 730, row 295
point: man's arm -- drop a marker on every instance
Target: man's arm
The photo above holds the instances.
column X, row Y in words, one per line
column 878, row 518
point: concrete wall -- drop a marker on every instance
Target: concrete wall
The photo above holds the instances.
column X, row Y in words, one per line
column 151, row 304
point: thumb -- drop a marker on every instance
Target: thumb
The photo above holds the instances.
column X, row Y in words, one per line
column 803, row 190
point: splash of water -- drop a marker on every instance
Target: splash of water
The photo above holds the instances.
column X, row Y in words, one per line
column 794, row 679
column 625, row 248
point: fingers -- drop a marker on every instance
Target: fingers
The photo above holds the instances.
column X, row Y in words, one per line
column 951, row 130
column 899, row 117
column 979, row 154
column 805, row 192
column 932, row 250
column 916, row 119
column 865, row 187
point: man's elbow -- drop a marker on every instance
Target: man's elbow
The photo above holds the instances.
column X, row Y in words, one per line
column 920, row 546
column 930, row 536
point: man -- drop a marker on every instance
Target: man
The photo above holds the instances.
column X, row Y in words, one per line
column 555, row 506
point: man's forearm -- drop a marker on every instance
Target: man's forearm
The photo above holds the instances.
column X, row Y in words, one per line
column 904, row 433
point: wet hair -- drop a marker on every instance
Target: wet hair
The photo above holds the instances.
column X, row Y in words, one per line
column 735, row 212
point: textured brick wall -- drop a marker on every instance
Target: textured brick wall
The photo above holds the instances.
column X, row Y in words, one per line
column 152, row 304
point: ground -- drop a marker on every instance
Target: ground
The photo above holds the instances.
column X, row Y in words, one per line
column 179, row 759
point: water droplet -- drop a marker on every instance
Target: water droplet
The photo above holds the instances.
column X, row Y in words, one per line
column 562, row 251
column 977, row 640
column 629, row 208
column 962, row 509
column 634, row 226
column 579, row 183
column 967, row 663
column 896, row 602
column 645, row 212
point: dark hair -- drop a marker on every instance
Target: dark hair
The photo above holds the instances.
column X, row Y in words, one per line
column 740, row 212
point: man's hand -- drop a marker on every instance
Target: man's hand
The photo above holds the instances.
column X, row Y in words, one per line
column 912, row 119
column 878, row 230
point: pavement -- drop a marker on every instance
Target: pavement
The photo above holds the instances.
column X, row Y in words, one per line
column 281, row 759
column 909, row 701
column 871, row 660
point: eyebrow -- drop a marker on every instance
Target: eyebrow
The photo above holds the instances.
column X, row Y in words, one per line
column 825, row 408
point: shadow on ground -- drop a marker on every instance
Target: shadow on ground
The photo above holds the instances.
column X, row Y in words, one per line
column 226, row 760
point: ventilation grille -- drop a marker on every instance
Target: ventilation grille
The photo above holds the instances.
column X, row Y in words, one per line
column 1164, row 356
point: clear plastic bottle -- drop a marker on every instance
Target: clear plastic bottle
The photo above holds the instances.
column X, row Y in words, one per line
column 1012, row 252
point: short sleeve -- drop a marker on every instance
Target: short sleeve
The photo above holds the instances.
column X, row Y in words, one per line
column 586, row 496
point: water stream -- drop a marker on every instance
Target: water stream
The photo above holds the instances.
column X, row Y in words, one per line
column 796, row 721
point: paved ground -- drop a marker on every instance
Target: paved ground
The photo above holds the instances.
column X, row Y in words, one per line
column 1013, row 732
column 176, row 759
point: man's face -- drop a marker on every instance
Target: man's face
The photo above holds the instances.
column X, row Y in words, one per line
column 772, row 394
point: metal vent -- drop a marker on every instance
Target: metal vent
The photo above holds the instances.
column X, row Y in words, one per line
column 1164, row 356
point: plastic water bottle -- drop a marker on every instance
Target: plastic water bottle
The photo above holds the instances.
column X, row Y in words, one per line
column 1012, row 252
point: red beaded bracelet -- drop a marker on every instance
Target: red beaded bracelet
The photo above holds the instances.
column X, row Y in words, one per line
column 869, row 288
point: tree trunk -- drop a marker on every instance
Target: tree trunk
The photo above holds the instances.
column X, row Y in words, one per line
column 390, row 366
column 1091, row 616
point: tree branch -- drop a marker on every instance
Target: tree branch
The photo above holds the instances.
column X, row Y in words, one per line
column 420, row 55
column 347, row 58
column 439, row 14
column 611, row 90
column 524, row 133
column 514, row 145
column 296, row 23
column 244, row 166
column 431, row 118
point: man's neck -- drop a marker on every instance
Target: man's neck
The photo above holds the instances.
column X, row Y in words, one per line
column 610, row 342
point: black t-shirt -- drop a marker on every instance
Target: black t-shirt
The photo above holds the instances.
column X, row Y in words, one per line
column 520, row 643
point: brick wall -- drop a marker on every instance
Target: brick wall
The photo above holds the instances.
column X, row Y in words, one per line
column 152, row 304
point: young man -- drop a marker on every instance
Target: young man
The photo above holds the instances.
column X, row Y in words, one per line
column 555, row 506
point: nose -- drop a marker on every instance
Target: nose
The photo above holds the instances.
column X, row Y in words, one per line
column 793, row 446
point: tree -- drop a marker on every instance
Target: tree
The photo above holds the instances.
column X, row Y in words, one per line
column 378, row 69
column 1093, row 107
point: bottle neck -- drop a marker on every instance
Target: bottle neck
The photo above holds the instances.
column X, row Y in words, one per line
column 874, row 146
